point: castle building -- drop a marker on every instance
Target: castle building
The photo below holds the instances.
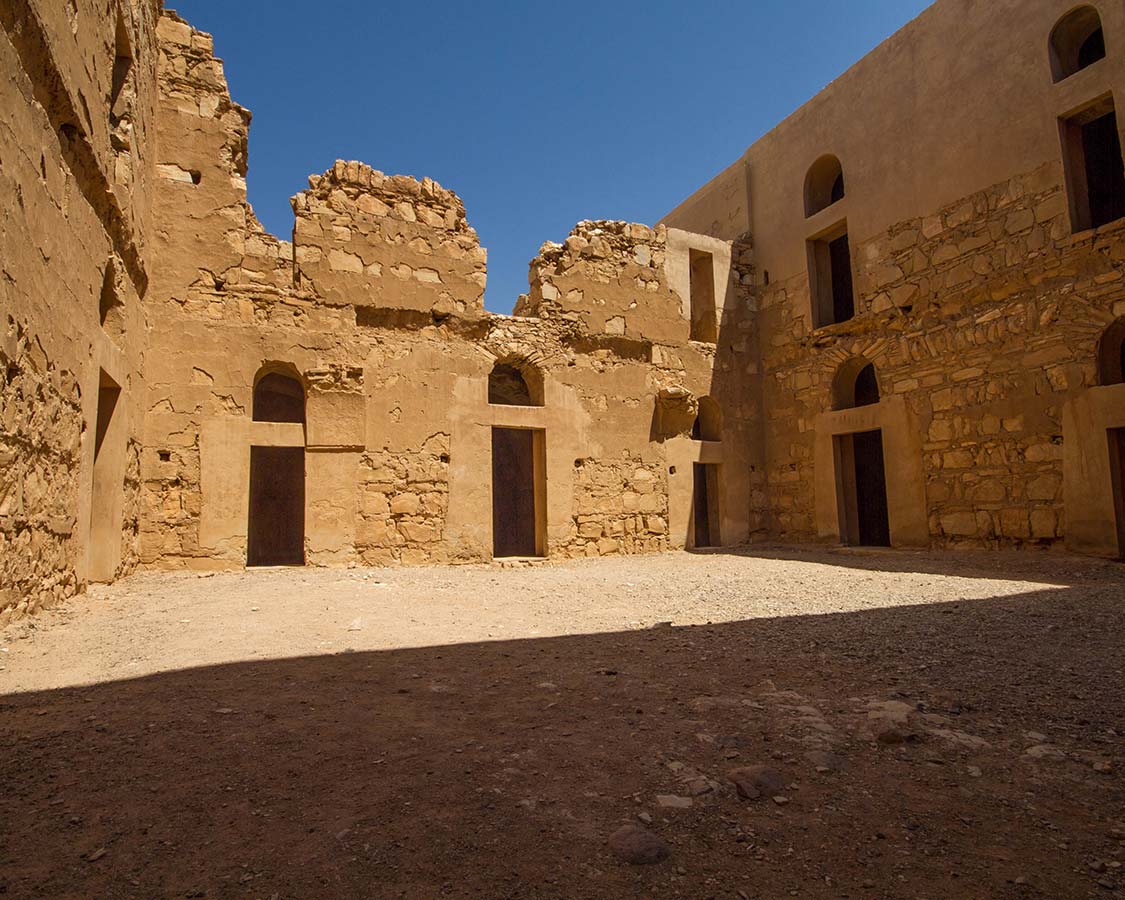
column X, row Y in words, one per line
column 897, row 320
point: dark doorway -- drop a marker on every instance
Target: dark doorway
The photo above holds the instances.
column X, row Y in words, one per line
column 518, row 501
column 705, row 506
column 276, row 535
column 862, row 484
column 1117, row 473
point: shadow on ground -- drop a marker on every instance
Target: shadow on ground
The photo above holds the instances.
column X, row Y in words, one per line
column 498, row 770
column 1046, row 567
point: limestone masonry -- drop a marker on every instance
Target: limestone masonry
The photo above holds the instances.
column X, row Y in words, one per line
column 898, row 320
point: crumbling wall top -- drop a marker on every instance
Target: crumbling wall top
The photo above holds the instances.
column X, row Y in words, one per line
column 387, row 240
column 611, row 274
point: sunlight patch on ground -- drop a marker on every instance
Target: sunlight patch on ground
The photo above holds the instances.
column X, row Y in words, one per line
column 160, row 622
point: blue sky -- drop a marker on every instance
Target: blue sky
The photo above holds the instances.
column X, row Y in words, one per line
column 537, row 115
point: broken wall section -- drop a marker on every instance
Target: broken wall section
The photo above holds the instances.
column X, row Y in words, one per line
column 611, row 277
column 366, row 238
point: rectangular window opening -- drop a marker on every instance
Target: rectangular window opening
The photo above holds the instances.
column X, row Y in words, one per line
column 1095, row 170
column 704, row 325
column 830, row 277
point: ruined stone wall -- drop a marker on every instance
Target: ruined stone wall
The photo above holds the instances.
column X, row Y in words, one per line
column 356, row 227
column 78, row 91
column 376, row 306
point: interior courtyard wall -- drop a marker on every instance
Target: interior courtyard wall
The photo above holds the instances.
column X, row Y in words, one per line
column 978, row 305
column 377, row 305
column 76, row 151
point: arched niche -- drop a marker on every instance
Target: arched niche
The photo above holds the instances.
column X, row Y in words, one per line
column 279, row 396
column 515, row 382
column 856, row 384
column 708, row 425
column 1077, row 41
column 824, row 184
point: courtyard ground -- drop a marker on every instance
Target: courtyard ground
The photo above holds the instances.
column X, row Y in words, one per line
column 941, row 726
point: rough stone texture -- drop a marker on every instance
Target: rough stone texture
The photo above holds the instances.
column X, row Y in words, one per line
column 137, row 279
column 384, row 281
column 984, row 317
column 40, row 437
column 978, row 304
column 638, row 846
column 76, row 177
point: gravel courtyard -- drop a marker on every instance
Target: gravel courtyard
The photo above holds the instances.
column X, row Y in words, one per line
column 915, row 726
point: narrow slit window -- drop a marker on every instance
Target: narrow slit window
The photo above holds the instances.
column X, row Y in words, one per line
column 704, row 326
column 1111, row 354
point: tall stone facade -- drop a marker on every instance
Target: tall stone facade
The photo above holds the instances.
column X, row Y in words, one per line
column 893, row 321
column 988, row 304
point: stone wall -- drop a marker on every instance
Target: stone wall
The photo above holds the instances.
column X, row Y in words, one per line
column 376, row 306
column 361, row 233
column 76, row 141
column 40, row 459
column 984, row 317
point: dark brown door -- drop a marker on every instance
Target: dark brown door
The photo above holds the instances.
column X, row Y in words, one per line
column 705, row 506
column 513, row 492
column 871, row 490
column 1117, row 463
column 276, row 535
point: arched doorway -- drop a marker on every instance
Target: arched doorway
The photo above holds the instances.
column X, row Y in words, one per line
column 276, row 526
column 519, row 486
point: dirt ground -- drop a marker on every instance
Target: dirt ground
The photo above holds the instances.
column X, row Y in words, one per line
column 941, row 726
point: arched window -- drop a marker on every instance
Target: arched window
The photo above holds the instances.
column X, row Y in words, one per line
column 515, row 383
column 1077, row 41
column 708, row 425
column 855, row 385
column 824, row 185
column 278, row 397
column 1111, row 354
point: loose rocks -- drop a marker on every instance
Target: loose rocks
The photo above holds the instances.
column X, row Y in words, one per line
column 753, row 782
column 638, row 846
